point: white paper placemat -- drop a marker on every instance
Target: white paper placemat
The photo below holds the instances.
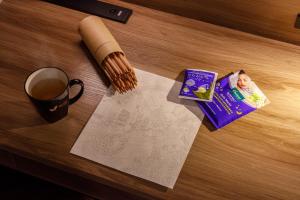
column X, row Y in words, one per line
column 146, row 133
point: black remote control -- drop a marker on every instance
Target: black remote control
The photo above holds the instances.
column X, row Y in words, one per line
column 96, row 7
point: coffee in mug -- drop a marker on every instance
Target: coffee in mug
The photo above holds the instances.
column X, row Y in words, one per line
column 48, row 89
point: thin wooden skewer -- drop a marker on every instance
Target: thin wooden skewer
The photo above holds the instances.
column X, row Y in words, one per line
column 118, row 61
column 120, row 72
column 113, row 65
column 107, row 67
column 125, row 61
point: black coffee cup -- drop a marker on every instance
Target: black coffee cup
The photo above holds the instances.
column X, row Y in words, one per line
column 48, row 89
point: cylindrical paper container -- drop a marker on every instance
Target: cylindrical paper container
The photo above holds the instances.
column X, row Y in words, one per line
column 98, row 38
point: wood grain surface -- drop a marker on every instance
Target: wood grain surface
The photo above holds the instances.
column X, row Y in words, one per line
column 256, row 157
column 269, row 18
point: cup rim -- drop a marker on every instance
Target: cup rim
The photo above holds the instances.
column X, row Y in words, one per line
column 44, row 100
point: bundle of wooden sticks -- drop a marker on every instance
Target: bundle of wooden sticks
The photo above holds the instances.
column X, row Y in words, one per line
column 120, row 72
column 108, row 53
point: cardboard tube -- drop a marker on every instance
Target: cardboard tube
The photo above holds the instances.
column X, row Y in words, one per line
column 98, row 38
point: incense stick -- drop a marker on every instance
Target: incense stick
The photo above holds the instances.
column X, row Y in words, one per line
column 120, row 72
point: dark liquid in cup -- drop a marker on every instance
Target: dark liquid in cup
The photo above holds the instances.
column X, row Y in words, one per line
column 48, row 89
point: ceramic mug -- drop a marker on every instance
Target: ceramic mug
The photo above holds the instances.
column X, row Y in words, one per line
column 48, row 89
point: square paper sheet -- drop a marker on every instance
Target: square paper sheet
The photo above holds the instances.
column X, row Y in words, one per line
column 147, row 132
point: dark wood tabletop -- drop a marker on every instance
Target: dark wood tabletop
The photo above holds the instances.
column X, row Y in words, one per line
column 256, row 157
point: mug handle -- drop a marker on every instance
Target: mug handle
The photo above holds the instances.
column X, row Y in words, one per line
column 77, row 96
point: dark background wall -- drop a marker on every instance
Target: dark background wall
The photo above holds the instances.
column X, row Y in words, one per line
column 270, row 18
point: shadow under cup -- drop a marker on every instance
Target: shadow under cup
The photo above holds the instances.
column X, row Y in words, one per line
column 48, row 89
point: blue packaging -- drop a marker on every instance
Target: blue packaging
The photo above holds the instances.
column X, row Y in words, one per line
column 235, row 95
column 198, row 85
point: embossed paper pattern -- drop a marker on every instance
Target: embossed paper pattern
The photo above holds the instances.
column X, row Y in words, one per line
column 146, row 133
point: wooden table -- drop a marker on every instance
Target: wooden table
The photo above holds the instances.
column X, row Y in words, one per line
column 256, row 157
